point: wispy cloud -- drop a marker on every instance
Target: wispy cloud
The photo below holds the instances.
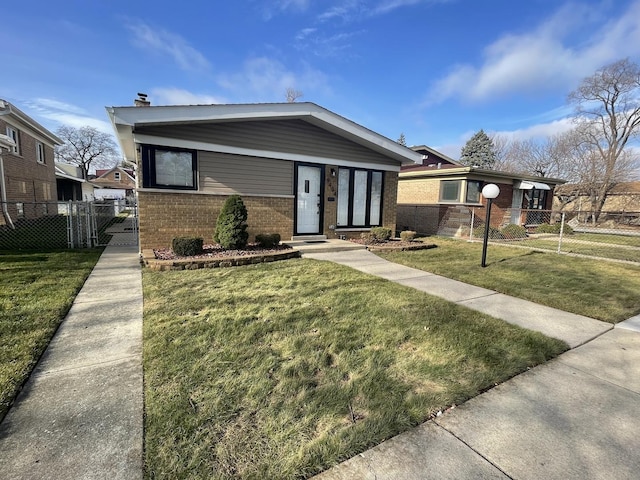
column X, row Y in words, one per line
column 272, row 8
column 48, row 110
column 163, row 42
column 542, row 59
column 266, row 79
column 351, row 10
column 178, row 96
column 314, row 41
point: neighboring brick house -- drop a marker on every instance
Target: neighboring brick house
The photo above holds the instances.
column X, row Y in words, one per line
column 27, row 171
column 624, row 197
column 450, row 190
column 116, row 182
column 301, row 170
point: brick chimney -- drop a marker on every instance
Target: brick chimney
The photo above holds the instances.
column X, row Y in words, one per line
column 141, row 101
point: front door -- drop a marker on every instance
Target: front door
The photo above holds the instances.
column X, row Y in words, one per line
column 308, row 199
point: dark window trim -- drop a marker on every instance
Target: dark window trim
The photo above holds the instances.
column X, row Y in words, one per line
column 367, row 215
column 149, row 167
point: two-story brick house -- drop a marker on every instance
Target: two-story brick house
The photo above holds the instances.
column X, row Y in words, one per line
column 116, row 182
column 27, row 171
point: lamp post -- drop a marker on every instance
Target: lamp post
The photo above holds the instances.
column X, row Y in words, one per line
column 489, row 191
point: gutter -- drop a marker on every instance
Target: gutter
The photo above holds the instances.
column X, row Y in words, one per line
column 5, row 142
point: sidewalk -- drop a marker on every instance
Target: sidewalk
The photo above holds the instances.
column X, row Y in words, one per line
column 80, row 414
column 575, row 417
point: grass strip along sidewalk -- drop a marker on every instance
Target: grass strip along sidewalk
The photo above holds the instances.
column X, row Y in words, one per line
column 36, row 292
column 597, row 289
column 282, row 370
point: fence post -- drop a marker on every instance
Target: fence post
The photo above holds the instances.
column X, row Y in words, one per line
column 561, row 233
column 69, row 225
column 473, row 218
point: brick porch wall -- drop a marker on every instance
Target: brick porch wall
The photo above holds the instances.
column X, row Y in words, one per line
column 164, row 216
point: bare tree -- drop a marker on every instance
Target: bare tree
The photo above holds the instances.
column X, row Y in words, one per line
column 607, row 108
column 292, row 94
column 87, row 148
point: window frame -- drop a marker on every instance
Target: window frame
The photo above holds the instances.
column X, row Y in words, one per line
column 367, row 201
column 40, row 153
column 14, row 134
column 466, row 193
column 441, row 192
column 116, row 176
column 149, row 167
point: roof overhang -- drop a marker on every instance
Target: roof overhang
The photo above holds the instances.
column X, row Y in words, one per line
column 529, row 185
column 125, row 119
column 7, row 108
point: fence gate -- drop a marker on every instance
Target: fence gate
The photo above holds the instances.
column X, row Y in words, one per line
column 114, row 223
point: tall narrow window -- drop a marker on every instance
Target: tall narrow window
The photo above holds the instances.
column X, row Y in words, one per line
column 116, row 176
column 359, row 197
column 343, row 196
column 40, row 152
column 14, row 135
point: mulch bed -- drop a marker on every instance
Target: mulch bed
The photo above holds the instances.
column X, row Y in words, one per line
column 394, row 245
column 214, row 256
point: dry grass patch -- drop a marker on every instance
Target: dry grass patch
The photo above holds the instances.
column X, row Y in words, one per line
column 283, row 370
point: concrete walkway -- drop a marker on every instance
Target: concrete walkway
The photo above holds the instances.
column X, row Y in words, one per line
column 80, row 414
column 576, row 417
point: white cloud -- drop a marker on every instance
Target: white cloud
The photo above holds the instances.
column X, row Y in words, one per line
column 543, row 58
column 169, row 44
column 325, row 46
column 178, row 96
column 55, row 113
column 264, row 79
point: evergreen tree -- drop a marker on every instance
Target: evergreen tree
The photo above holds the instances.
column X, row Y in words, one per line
column 401, row 140
column 231, row 225
column 479, row 151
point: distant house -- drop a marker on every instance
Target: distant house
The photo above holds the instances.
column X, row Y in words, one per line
column 622, row 200
column 451, row 189
column 302, row 170
column 114, row 183
column 27, row 172
column 71, row 185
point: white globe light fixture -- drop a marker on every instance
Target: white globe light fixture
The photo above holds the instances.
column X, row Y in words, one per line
column 489, row 191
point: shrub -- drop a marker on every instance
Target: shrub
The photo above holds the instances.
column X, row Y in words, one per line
column 494, row 233
column 187, row 246
column 268, row 240
column 368, row 238
column 407, row 235
column 231, row 226
column 514, row 231
column 381, row 234
column 554, row 228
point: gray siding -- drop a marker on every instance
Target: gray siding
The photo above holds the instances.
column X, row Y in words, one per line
column 290, row 136
column 225, row 174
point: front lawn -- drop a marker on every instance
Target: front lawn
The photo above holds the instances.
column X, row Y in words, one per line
column 36, row 292
column 282, row 370
column 594, row 288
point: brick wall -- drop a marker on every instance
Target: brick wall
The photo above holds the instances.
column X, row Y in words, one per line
column 422, row 191
column 390, row 202
column 164, row 216
column 27, row 180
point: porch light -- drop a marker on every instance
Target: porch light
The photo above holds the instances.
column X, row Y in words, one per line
column 489, row 191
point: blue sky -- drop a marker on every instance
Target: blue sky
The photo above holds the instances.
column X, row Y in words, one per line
column 435, row 70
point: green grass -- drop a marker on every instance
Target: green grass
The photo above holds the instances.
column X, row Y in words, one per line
column 631, row 241
column 36, row 291
column 597, row 289
column 282, row 370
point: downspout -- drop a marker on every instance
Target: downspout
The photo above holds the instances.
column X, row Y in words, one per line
column 5, row 142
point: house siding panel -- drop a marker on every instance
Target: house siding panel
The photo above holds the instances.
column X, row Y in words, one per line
column 289, row 136
column 225, row 174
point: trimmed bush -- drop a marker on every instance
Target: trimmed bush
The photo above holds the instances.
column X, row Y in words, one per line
column 368, row 238
column 554, row 228
column 407, row 236
column 231, row 226
column 187, row 246
column 268, row 240
column 512, row 231
column 494, row 233
column 382, row 234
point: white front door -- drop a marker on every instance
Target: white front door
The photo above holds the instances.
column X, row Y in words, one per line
column 308, row 200
column 516, row 206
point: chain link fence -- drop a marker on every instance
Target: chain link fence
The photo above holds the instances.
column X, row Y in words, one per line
column 614, row 235
column 61, row 225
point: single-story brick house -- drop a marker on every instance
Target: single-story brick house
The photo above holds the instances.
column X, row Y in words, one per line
column 448, row 188
column 301, row 169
